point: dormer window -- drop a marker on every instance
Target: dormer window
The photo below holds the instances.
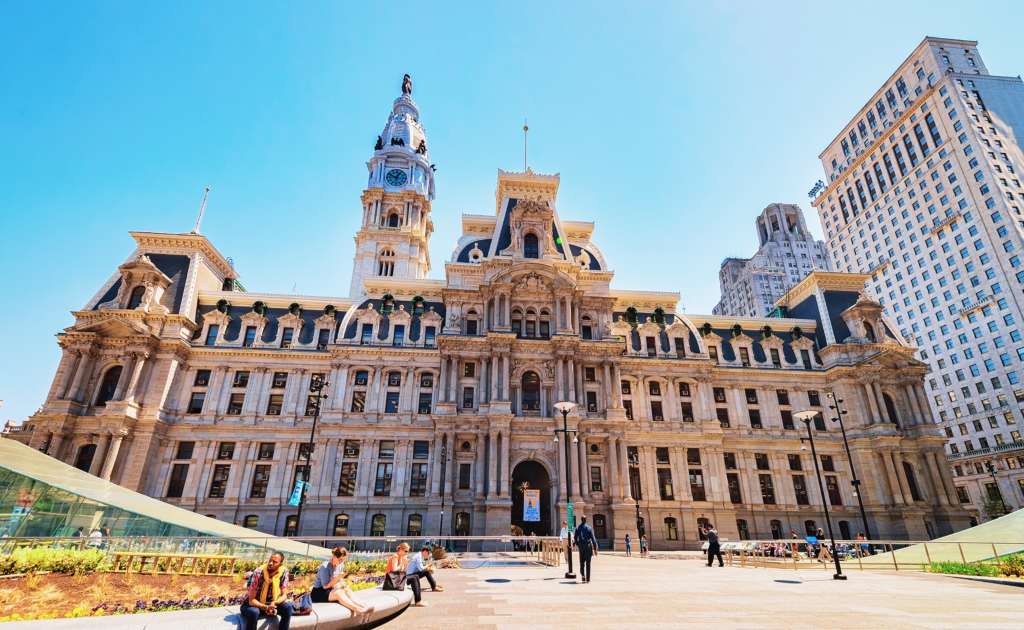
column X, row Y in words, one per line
column 211, row 334
column 286, row 337
column 250, row 337
column 530, row 246
column 136, row 299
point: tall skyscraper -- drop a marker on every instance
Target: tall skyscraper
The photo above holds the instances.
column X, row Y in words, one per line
column 788, row 252
column 924, row 195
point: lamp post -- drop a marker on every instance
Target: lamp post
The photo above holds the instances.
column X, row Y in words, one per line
column 634, row 463
column 316, row 387
column 840, row 412
column 565, row 408
column 445, row 458
column 806, row 417
column 992, row 471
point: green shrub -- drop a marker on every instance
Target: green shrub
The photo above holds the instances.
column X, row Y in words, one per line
column 246, row 565
column 960, row 568
column 57, row 560
column 366, row 566
column 1013, row 566
column 306, row 567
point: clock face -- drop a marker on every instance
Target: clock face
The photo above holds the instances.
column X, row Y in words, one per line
column 396, row 177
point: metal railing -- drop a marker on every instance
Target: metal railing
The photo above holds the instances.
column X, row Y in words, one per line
column 865, row 555
column 468, row 551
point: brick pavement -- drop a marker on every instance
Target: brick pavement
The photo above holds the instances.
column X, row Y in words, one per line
column 670, row 594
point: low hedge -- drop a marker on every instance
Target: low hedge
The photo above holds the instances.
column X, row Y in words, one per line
column 41, row 559
column 1010, row 566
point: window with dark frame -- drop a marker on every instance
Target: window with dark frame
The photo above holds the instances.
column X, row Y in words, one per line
column 211, row 334
column 358, row 401
column 241, row 379
column 767, row 489
column 787, row 418
column 226, row 450
column 656, row 413
column 425, row 401
column 467, row 398
column 733, row 480
column 219, row 481
column 421, row 449
column 202, row 378
column 464, row 475
column 723, row 416
column 235, row 404
column 783, row 396
column 347, row 482
column 250, row 337
column 697, row 484
column 266, row 450
column 391, row 403
column 795, row 463
column 286, row 337
column 684, row 390
column 800, row 488
column 592, row 404
column 185, row 450
column 260, row 482
column 595, row 479
column 418, row 481
column 275, row 404
column 761, row 461
column 382, row 488
column 730, row 460
column 179, row 473
column 827, row 463
column 386, row 449
column 665, row 484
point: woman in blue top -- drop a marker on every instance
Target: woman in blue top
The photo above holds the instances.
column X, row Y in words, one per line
column 330, row 584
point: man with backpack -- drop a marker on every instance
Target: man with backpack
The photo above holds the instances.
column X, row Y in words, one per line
column 586, row 542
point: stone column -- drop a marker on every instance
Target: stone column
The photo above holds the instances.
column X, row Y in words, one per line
column 505, row 376
column 940, row 491
column 449, row 464
column 558, row 315
column 627, row 491
column 584, row 470
column 894, row 482
column 479, row 466
column 435, row 476
column 72, row 359
column 608, row 385
column 492, row 473
column 869, row 392
column 879, row 396
column 947, row 479
column 53, row 450
column 613, row 469
column 133, row 382
column 559, row 385
column 443, row 380
column 574, row 464
column 122, row 381
column 508, row 310
column 563, row 493
column 926, row 408
column 82, row 370
column 570, row 379
column 581, row 394
column 482, row 388
column 505, row 437
column 484, row 327
column 901, row 475
column 454, row 383
column 111, row 457
column 915, row 409
column 99, row 455
column 618, row 386
column 494, row 378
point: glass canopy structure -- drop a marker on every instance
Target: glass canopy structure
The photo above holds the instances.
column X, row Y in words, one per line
column 42, row 497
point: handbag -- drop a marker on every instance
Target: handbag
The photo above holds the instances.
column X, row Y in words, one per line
column 303, row 604
column 394, row 581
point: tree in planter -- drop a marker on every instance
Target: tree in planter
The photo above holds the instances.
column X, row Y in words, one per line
column 994, row 508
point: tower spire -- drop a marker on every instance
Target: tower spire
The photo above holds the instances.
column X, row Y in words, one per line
column 195, row 230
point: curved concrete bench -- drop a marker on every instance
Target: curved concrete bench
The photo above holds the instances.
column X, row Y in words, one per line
column 328, row 616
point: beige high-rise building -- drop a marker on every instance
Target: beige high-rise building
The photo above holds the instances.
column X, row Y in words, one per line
column 788, row 252
column 925, row 197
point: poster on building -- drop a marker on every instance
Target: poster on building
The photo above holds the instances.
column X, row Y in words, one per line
column 531, row 505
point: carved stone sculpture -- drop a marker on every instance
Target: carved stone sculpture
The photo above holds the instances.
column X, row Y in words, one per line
column 407, row 85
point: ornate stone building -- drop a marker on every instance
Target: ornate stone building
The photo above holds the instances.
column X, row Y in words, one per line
column 176, row 383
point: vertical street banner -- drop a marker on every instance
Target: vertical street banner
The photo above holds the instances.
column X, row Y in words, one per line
column 300, row 488
column 531, row 505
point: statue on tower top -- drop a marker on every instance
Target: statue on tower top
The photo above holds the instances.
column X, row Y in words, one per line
column 407, row 86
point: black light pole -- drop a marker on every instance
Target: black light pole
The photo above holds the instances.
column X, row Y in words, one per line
column 806, row 417
column 316, row 387
column 634, row 462
column 992, row 471
column 840, row 412
column 445, row 458
column 565, row 408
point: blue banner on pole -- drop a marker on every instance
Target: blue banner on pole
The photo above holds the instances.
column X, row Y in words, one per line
column 300, row 487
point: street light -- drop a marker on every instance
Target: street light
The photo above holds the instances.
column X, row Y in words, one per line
column 634, row 462
column 445, row 458
column 316, row 387
column 840, row 412
column 806, row 417
column 992, row 471
column 565, row 408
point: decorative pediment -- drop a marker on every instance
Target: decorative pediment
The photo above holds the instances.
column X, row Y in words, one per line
column 325, row 321
column 712, row 337
column 290, row 319
column 621, row 328
column 368, row 315
column 431, row 318
column 217, row 318
column 742, row 339
column 649, row 328
column 892, row 359
column 677, row 329
column 803, row 343
column 252, row 318
column 401, row 316
column 532, row 282
column 772, row 342
column 111, row 325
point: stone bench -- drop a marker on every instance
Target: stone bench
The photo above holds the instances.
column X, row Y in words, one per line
column 330, row 616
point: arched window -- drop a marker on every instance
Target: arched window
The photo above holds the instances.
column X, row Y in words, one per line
column 291, row 525
column 671, row 531
column 471, row 322
column 586, row 327
column 544, row 325
column 776, row 530
column 393, row 220
column 531, row 392
column 85, row 456
column 870, row 332
column 462, row 524
column 386, row 262
column 109, row 385
column 415, row 526
column 741, row 525
column 531, row 324
column 530, row 249
column 341, row 525
column 517, row 322
column 890, row 408
column 135, row 301
column 251, row 521
column 377, row 524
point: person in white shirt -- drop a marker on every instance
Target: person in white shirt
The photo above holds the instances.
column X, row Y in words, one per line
column 563, row 538
column 419, row 566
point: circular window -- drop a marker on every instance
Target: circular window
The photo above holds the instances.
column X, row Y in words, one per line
column 465, row 446
column 593, row 448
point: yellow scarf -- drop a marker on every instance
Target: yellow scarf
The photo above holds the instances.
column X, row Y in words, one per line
column 268, row 581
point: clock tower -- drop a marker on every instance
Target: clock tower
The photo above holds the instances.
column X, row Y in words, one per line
column 395, row 232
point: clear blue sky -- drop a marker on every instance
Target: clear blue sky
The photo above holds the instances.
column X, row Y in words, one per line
column 672, row 126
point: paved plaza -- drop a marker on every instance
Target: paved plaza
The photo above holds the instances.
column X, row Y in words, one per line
column 671, row 593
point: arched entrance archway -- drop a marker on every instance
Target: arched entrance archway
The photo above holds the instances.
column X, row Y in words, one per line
column 531, row 475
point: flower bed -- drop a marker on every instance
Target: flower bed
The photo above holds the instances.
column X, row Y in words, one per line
column 1010, row 566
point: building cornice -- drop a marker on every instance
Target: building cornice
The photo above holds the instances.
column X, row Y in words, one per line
column 184, row 244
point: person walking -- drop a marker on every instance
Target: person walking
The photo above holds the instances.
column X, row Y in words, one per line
column 628, row 552
column 563, row 539
column 586, row 543
column 643, row 546
column 713, row 547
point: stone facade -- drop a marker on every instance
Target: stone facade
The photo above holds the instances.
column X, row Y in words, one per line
column 925, row 197
column 175, row 385
column 788, row 252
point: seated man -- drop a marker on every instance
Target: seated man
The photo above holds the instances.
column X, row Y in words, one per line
column 267, row 594
column 419, row 566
